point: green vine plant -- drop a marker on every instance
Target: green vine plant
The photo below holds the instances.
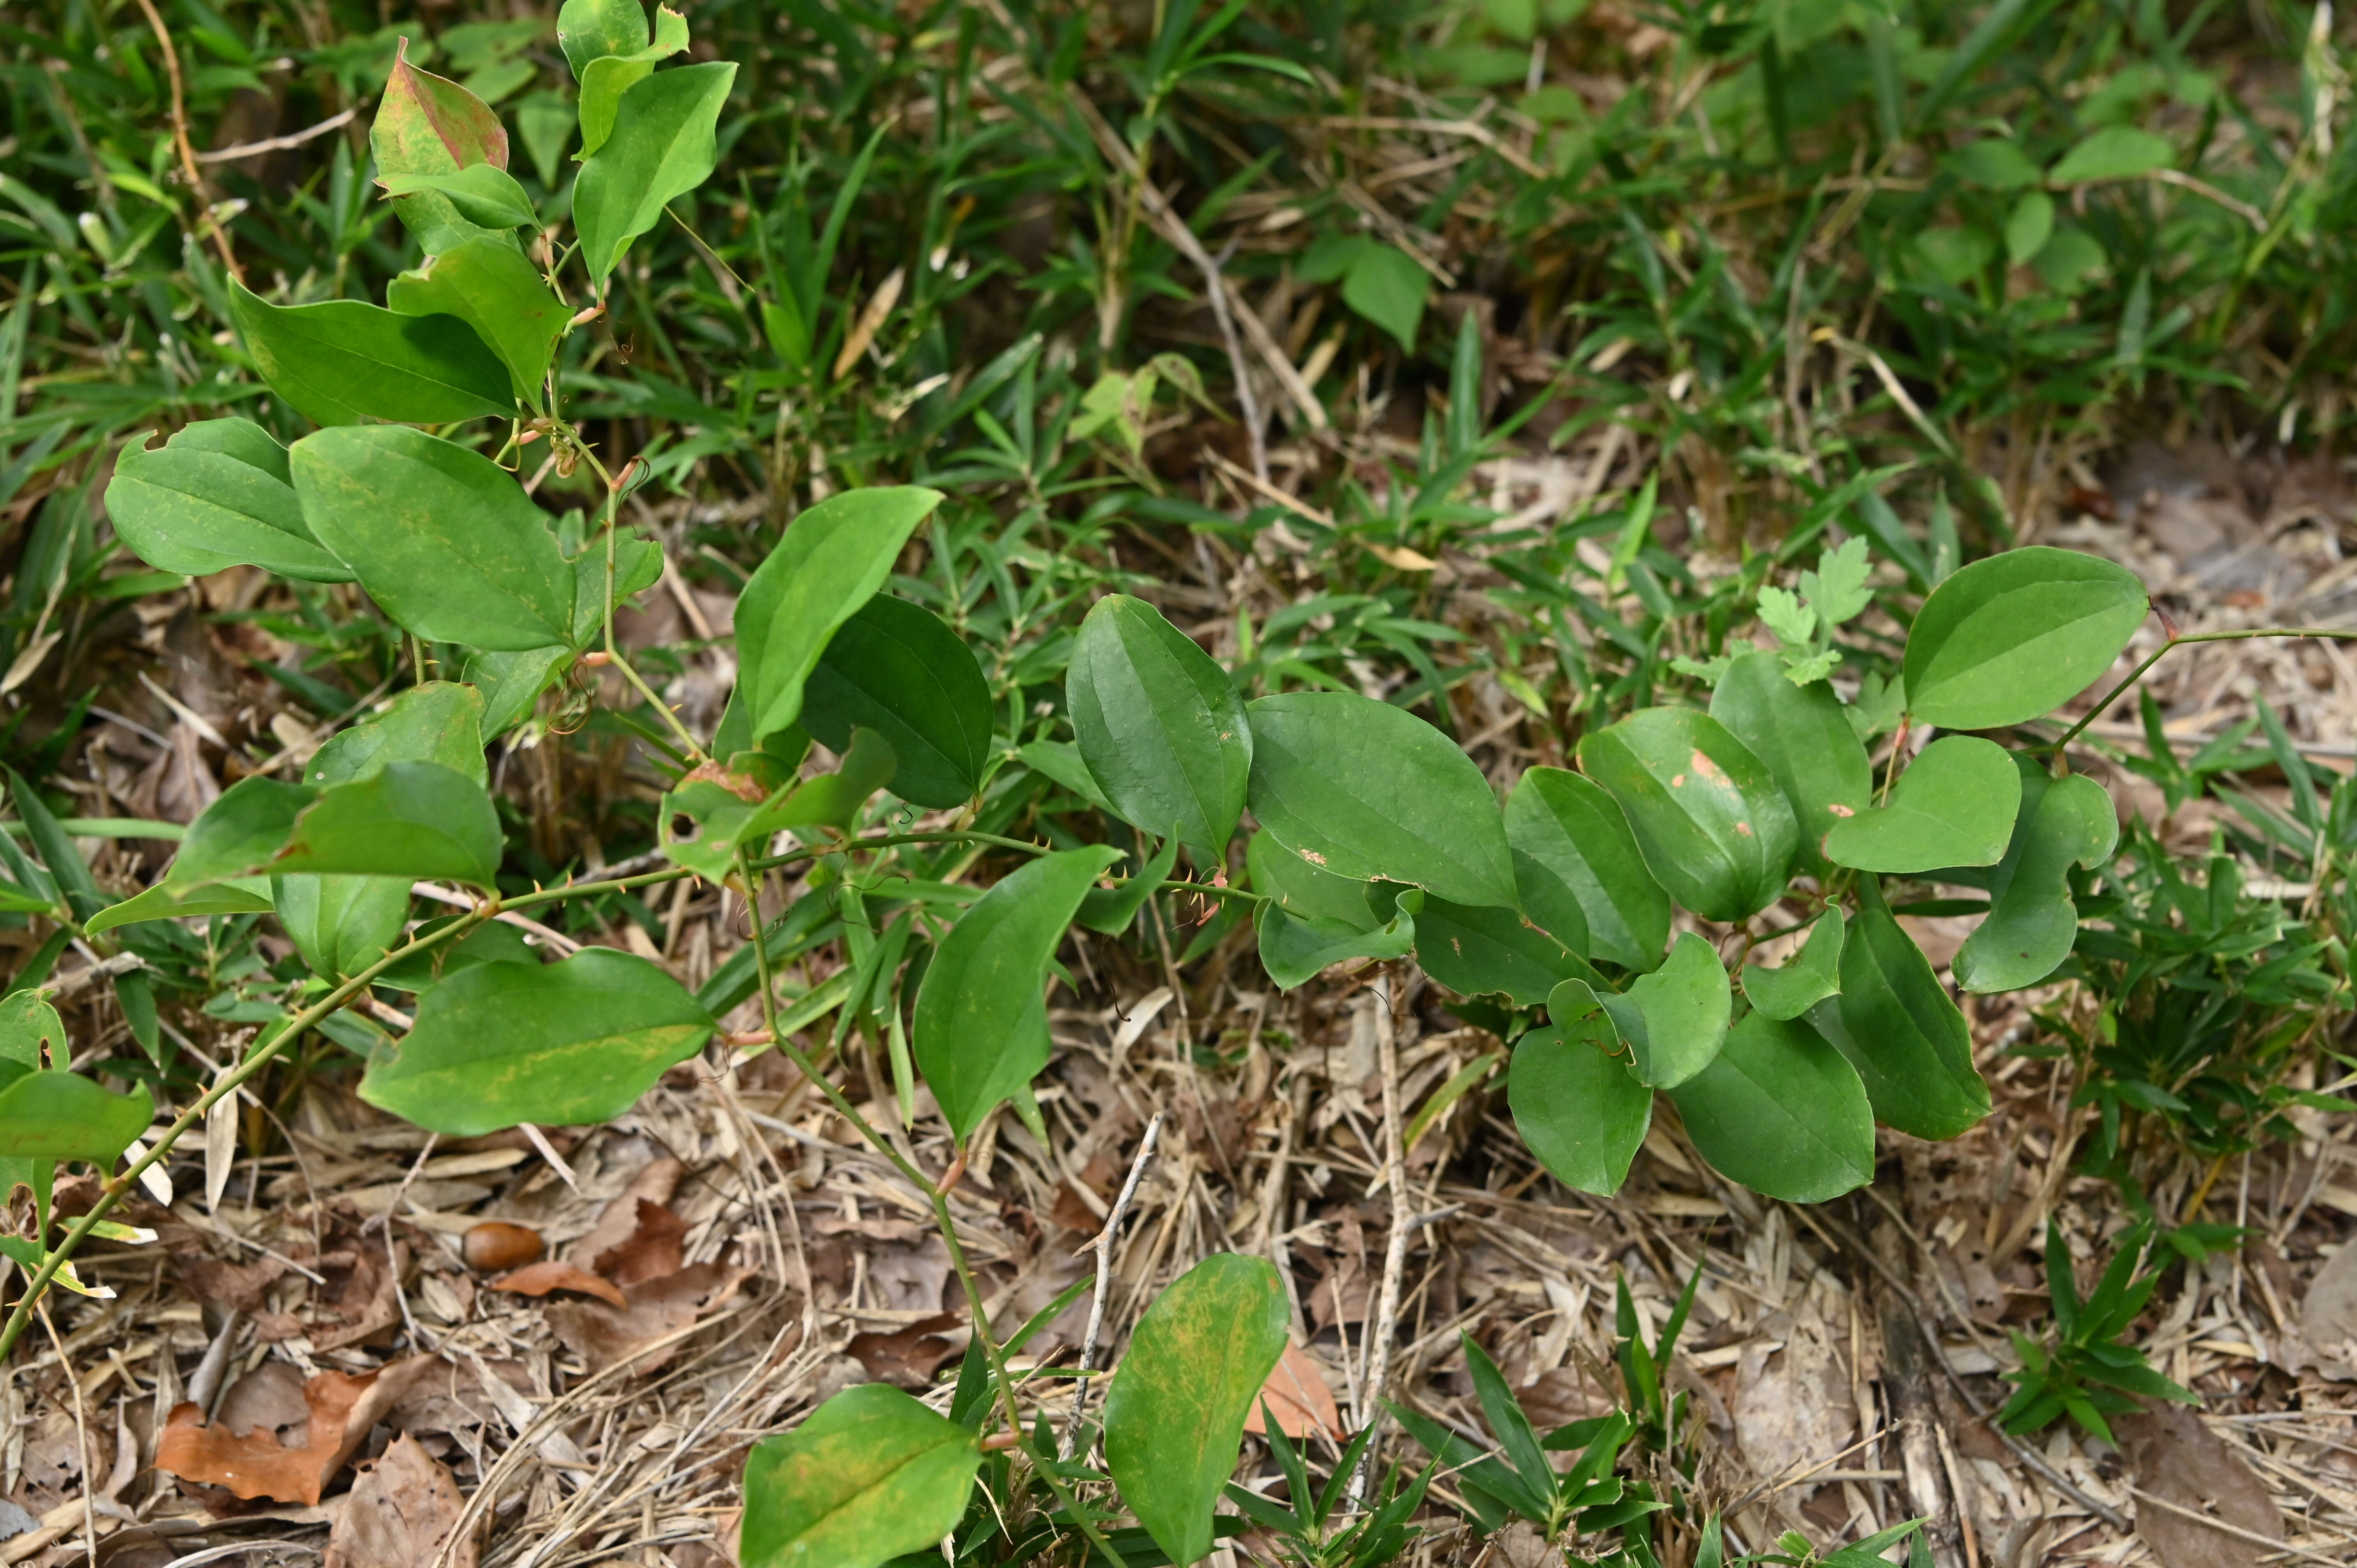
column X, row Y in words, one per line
column 1618, row 908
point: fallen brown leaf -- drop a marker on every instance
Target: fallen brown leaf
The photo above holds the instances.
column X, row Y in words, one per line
column 2179, row 1459
column 605, row 1335
column 553, row 1274
column 1297, row 1391
column 255, row 1463
column 908, row 1357
column 656, row 1247
column 618, row 1221
column 402, row 1509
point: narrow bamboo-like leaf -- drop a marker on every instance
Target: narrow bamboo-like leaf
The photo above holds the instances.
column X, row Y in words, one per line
column 1807, row 978
column 897, row 669
column 1365, row 790
column 662, row 147
column 1674, row 1019
column 869, row 1476
column 830, row 563
column 1899, row 1028
column 493, row 289
column 343, row 361
column 409, row 819
column 1174, row 1413
column 1780, row 1111
column 981, row 1016
column 1803, row 734
column 2032, row 920
column 1578, row 833
column 2013, row 636
column 1714, row 829
column 215, row 495
column 443, row 538
column 483, row 194
column 171, row 901
column 56, row 1115
column 1159, row 724
column 425, row 124
column 1580, row 1109
column 565, row 1045
column 1955, row 806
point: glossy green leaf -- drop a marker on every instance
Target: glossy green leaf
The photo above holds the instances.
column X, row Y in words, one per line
column 1674, row 1020
column 1714, row 829
column 408, row 820
column 1576, row 830
column 1577, row 1104
column 1780, row 1111
column 1807, row 978
column 1901, row 1029
column 2115, row 152
column 343, row 361
column 484, row 194
column 830, row 562
column 589, row 29
column 897, row 669
column 239, row 833
column 57, row 1115
column 1295, row 949
column 604, row 80
column 2011, row 638
column 171, row 901
column 1365, row 790
column 443, row 538
column 1385, row 285
column 981, row 1022
column 425, row 124
column 662, row 147
column 868, row 1476
column 2032, row 920
column 215, row 495
column 1953, row 806
column 1159, row 724
column 1303, row 890
column 341, row 925
column 1174, row 1416
column 565, row 1045
column 1111, row 910
column 494, row 290
column 32, row 1036
column 1803, row 734
column 1476, row 949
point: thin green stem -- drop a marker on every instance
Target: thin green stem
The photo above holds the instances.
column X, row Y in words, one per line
column 2154, row 657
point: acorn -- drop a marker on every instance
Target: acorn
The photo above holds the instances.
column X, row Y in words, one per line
column 497, row 1245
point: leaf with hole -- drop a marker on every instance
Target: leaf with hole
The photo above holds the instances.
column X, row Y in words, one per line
column 442, row 537
column 1802, row 733
column 1159, row 724
column 1578, row 834
column 563, row 1044
column 720, row 808
column 1898, row 1026
column 897, row 669
column 215, row 495
column 493, row 289
column 1577, row 1104
column 1365, row 790
column 1714, row 827
column 1780, row 1111
column 2013, row 636
column 981, row 1021
column 1805, row 979
column 662, row 147
column 1174, row 1416
column 2032, row 920
column 832, row 558
column 343, row 361
column 1954, row 807
column 869, row 1476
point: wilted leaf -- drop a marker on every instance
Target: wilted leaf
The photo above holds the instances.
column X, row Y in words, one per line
column 401, row 1513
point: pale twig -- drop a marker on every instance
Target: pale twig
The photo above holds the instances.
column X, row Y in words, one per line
column 1386, row 1325
column 1103, row 1245
column 279, row 143
column 188, row 154
column 82, row 1437
column 556, row 1162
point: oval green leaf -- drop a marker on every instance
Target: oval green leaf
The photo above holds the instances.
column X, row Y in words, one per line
column 981, row 1022
column 409, row 819
column 1901, row 1029
column 1803, row 734
column 1364, row 790
column 440, row 721
column 869, row 1476
column 1807, row 978
column 2032, row 920
column 494, row 290
column 1780, row 1111
column 1714, row 829
column 1576, row 1105
column 1174, row 1411
column 443, row 538
column 1478, row 949
column 1953, row 806
column 1579, row 835
column 895, row 668
column 215, row 495
column 1159, row 724
column 238, row 833
column 662, row 147
column 830, row 562
column 560, row 1045
column 341, row 925
column 2115, row 152
column 589, row 29
column 343, row 361
column 1674, row 1019
column 47, row 1114
column 2011, row 638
